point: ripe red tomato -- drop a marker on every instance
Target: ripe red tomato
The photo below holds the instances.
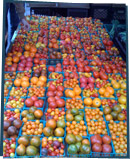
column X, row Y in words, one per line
column 109, row 43
column 29, row 102
column 105, row 42
column 87, row 69
column 96, row 74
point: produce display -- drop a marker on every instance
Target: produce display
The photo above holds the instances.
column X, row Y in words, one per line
column 32, row 128
column 101, row 144
column 28, row 146
column 64, row 91
column 52, row 146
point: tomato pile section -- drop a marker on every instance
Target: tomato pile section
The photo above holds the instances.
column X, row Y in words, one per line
column 64, row 91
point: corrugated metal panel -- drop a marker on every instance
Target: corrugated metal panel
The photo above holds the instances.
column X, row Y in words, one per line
column 43, row 4
column 73, row 5
column 101, row 4
column 118, row 5
column 77, row 12
column 60, row 5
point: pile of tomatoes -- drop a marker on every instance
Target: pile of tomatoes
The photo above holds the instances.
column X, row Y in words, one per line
column 63, row 77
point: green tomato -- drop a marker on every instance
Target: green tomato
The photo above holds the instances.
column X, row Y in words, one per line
column 4, row 144
column 12, row 155
column 13, row 146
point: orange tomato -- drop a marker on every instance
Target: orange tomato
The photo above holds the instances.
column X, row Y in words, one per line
column 85, row 141
column 44, row 139
column 110, row 90
column 73, row 122
column 43, row 78
column 27, row 47
column 53, row 40
column 26, row 53
column 67, row 128
column 32, row 54
column 40, row 130
column 77, row 96
column 88, row 101
column 24, row 119
column 66, row 92
column 24, row 78
column 77, row 91
column 75, row 132
column 25, row 84
column 15, row 59
column 49, row 110
column 33, row 49
column 61, row 151
column 55, row 46
column 68, row 124
column 106, row 94
column 102, row 91
column 99, row 131
column 116, row 85
column 17, row 82
column 10, row 54
column 55, row 117
column 8, row 62
column 96, row 102
column 70, row 93
column 113, row 81
column 34, row 80
column 18, row 54
column 69, row 117
column 69, row 132
column 50, row 45
column 40, row 83
column 81, row 122
column 103, row 102
column 44, row 143
column 67, row 40
column 57, row 29
column 84, row 127
column 8, row 59
column 51, row 29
